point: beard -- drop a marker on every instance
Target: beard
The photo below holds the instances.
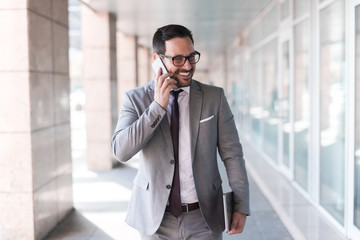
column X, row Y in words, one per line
column 183, row 80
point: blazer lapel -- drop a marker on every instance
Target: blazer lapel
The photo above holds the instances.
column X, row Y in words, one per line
column 196, row 99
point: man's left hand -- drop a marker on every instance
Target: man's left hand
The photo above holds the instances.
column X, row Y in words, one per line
column 237, row 223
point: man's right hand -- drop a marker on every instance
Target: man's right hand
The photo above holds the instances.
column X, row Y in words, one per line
column 163, row 87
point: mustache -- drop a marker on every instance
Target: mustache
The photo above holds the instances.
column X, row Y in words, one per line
column 184, row 71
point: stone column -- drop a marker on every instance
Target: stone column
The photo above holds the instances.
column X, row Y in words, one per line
column 145, row 72
column 35, row 150
column 99, row 76
column 126, row 63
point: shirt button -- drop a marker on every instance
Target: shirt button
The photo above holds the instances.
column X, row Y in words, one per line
column 168, row 186
column 172, row 161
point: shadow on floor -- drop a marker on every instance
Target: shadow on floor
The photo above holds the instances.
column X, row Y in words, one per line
column 77, row 227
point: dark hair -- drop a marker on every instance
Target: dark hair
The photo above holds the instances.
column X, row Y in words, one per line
column 168, row 32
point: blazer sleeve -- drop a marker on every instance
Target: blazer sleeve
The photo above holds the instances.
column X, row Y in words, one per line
column 231, row 153
column 136, row 125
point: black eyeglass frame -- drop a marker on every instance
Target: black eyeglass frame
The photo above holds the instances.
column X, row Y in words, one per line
column 186, row 58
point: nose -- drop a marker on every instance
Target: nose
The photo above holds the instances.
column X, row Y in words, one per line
column 187, row 65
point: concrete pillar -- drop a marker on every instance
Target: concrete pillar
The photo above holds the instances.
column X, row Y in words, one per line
column 99, row 76
column 35, row 150
column 144, row 65
column 126, row 63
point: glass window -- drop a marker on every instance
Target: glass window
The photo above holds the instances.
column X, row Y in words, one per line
column 300, row 7
column 240, row 94
column 244, row 98
column 332, row 109
column 255, row 97
column 301, row 103
column 270, row 119
column 357, row 122
column 255, row 34
column 285, row 9
column 270, row 22
column 284, row 103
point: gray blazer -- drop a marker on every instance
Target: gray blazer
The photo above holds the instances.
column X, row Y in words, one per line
column 143, row 126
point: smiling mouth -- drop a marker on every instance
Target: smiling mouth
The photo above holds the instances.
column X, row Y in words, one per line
column 184, row 74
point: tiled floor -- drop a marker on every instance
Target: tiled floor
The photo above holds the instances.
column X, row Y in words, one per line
column 101, row 200
column 279, row 211
column 263, row 224
column 302, row 219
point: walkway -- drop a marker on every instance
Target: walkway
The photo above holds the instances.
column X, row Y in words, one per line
column 101, row 200
column 301, row 218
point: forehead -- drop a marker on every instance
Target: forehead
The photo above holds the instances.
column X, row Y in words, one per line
column 179, row 46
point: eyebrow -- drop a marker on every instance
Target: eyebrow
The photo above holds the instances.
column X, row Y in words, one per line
column 183, row 55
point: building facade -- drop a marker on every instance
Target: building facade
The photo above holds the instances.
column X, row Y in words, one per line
column 291, row 76
column 294, row 84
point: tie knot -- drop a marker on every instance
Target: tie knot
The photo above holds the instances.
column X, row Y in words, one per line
column 176, row 93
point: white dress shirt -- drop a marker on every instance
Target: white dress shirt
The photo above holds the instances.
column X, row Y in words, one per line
column 187, row 185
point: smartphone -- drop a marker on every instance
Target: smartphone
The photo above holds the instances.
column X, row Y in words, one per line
column 159, row 64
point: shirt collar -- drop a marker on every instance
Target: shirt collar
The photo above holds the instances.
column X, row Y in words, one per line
column 186, row 89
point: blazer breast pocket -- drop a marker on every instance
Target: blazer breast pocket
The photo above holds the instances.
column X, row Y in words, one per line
column 206, row 119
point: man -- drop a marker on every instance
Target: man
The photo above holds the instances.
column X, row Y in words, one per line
column 177, row 191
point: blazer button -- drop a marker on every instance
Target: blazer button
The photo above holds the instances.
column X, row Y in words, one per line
column 172, row 161
column 168, row 186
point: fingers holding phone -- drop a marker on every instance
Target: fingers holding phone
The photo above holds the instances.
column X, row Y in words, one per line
column 163, row 83
column 163, row 78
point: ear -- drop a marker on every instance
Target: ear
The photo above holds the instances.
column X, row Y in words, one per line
column 155, row 55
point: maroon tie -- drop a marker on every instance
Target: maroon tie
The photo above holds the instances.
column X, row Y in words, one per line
column 174, row 199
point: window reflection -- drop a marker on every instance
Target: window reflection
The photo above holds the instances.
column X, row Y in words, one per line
column 332, row 109
column 256, row 110
column 270, row 23
column 284, row 103
column 270, row 118
column 255, row 34
column 301, row 7
column 263, row 86
column 285, row 9
column 301, row 103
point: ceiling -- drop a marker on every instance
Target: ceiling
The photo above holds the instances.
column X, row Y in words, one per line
column 214, row 23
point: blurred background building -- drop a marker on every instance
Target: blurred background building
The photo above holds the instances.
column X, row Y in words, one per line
column 290, row 69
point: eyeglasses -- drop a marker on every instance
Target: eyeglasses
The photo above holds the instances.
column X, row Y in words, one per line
column 178, row 61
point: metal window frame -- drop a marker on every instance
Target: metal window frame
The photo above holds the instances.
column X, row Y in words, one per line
column 352, row 231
